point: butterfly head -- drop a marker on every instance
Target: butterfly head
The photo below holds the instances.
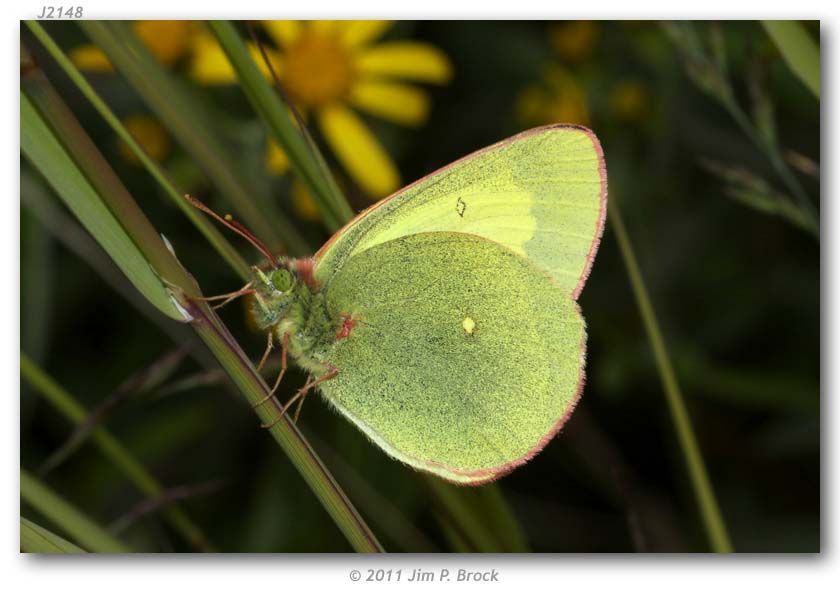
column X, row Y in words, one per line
column 276, row 292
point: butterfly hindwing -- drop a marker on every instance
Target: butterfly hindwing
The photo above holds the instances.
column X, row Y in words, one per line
column 464, row 359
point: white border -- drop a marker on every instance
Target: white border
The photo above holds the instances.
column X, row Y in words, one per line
column 701, row 577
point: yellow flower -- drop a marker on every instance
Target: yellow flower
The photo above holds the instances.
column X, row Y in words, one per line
column 166, row 40
column 330, row 68
column 629, row 100
column 150, row 135
column 557, row 98
column 574, row 41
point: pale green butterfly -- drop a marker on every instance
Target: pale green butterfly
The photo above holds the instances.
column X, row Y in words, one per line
column 442, row 321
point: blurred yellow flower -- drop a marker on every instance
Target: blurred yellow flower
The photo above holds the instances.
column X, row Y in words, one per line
column 150, row 135
column 557, row 98
column 168, row 41
column 574, row 41
column 329, row 68
column 629, row 100
column 90, row 58
column 303, row 204
column 209, row 65
column 275, row 159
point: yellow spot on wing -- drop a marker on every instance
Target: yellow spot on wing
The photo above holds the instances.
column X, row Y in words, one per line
column 469, row 325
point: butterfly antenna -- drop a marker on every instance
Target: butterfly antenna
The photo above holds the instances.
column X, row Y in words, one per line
column 229, row 222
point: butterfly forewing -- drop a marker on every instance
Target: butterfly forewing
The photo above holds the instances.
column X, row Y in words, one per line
column 541, row 194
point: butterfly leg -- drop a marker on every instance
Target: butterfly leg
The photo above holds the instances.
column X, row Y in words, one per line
column 301, row 394
column 302, row 398
column 230, row 297
column 284, row 358
column 268, row 348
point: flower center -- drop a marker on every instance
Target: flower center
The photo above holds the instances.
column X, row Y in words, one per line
column 317, row 70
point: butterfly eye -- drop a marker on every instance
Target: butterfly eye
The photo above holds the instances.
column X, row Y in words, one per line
column 282, row 280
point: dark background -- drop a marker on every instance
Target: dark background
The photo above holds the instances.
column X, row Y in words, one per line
column 736, row 291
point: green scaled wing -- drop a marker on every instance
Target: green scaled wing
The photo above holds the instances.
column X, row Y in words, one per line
column 541, row 194
column 465, row 357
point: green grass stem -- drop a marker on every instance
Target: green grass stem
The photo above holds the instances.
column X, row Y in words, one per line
column 713, row 522
column 38, row 540
column 88, row 534
column 799, row 51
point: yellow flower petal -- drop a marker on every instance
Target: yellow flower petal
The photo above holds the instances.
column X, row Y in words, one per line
column 90, row 58
column 167, row 40
column 325, row 26
column 149, row 134
column 403, row 104
column 285, row 33
column 276, row 160
column 360, row 33
column 209, row 64
column 408, row 60
column 358, row 150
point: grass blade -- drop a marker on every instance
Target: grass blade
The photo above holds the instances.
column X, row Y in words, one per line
column 43, row 149
column 67, row 517
column 798, row 50
column 195, row 130
column 37, row 540
column 38, row 200
column 268, row 104
column 460, row 510
column 715, row 527
column 216, row 239
column 112, row 449
column 491, row 502
column 456, row 540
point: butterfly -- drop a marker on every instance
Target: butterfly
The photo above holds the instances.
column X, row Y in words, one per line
column 443, row 321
